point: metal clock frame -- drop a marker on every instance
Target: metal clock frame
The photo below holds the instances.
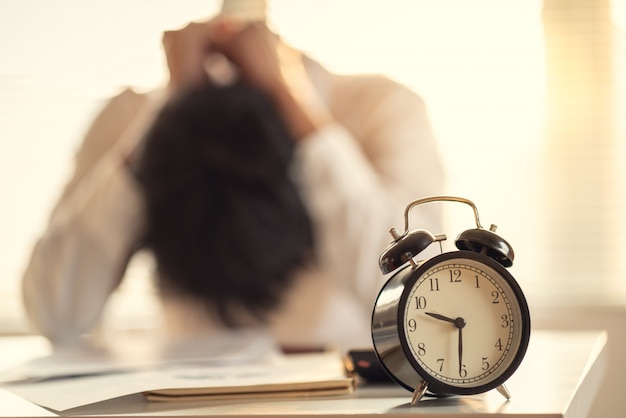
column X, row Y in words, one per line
column 388, row 333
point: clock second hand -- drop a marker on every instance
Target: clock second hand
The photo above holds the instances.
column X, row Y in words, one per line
column 459, row 323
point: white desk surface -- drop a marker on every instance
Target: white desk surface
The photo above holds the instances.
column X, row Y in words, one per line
column 559, row 377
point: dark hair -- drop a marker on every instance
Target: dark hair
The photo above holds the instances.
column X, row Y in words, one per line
column 225, row 220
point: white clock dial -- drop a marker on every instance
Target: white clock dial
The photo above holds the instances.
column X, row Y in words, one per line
column 462, row 322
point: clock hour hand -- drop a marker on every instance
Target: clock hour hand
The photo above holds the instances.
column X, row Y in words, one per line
column 458, row 322
column 440, row 317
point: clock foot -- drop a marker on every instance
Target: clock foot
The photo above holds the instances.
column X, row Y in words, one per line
column 419, row 391
column 504, row 391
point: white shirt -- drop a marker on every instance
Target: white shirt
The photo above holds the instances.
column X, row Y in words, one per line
column 357, row 176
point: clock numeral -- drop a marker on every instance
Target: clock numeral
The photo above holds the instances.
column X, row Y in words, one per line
column 505, row 321
column 421, row 349
column 485, row 364
column 477, row 285
column 498, row 344
column 420, row 302
column 412, row 325
column 434, row 285
column 440, row 361
column 496, row 297
column 462, row 371
column 455, row 276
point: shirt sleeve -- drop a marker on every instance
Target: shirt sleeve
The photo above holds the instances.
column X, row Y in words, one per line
column 358, row 177
column 82, row 255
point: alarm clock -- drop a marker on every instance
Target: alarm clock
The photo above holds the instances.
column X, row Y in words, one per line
column 454, row 324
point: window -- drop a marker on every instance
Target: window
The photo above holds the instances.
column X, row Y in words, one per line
column 524, row 97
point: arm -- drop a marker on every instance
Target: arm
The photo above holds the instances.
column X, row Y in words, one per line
column 359, row 175
column 82, row 255
column 363, row 154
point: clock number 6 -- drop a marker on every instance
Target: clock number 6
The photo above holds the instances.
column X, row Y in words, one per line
column 463, row 371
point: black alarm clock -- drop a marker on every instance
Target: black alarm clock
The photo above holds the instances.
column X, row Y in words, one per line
column 455, row 324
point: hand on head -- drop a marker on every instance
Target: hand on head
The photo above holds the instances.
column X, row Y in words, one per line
column 250, row 47
column 260, row 59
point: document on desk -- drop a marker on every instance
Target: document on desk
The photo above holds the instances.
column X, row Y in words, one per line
column 314, row 374
column 294, row 375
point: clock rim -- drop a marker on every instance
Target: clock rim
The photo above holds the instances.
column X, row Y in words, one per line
column 435, row 385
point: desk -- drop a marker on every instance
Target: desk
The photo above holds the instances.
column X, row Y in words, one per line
column 559, row 377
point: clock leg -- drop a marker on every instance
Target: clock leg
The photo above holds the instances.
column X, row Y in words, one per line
column 419, row 391
column 504, row 391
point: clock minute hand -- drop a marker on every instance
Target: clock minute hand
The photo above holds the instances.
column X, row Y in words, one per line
column 460, row 324
column 460, row 350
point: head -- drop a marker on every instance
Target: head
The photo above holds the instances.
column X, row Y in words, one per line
column 225, row 220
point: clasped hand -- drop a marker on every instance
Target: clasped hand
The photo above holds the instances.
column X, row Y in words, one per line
column 250, row 47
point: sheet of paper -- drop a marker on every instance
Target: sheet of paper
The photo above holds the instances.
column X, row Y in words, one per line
column 122, row 355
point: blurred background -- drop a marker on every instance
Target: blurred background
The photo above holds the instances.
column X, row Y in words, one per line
column 527, row 99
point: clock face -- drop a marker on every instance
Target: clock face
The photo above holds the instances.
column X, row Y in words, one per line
column 465, row 323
